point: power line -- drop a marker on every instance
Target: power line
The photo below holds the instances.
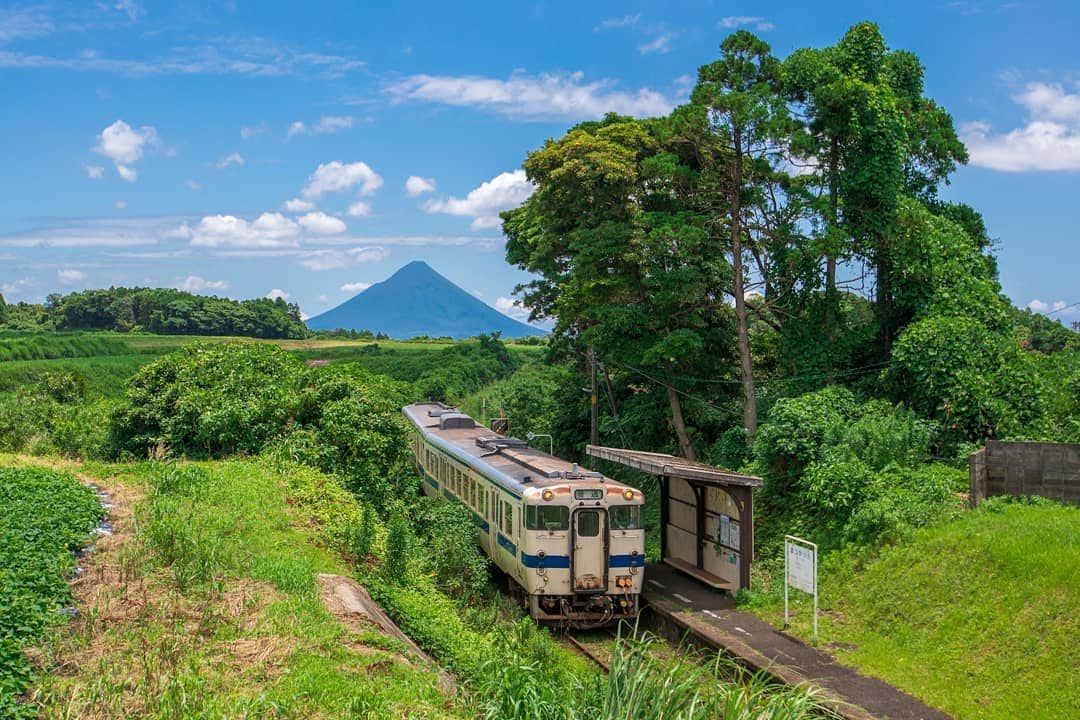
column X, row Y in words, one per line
column 865, row 369
column 1060, row 309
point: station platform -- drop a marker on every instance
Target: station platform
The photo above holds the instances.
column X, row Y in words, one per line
column 684, row 609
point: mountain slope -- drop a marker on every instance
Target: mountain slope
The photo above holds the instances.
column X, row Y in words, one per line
column 416, row 300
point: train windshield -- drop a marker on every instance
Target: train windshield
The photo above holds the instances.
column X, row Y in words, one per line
column 625, row 517
column 547, row 517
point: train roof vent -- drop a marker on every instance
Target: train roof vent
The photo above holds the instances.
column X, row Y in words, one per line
column 498, row 442
column 443, row 409
column 455, row 420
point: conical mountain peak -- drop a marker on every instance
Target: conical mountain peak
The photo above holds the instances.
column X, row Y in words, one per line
column 417, row 300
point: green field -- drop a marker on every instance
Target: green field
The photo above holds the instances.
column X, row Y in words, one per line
column 978, row 616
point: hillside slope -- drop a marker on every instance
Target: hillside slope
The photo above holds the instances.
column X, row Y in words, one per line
column 978, row 616
column 414, row 301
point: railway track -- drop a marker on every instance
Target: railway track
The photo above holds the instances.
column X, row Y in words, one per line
column 587, row 652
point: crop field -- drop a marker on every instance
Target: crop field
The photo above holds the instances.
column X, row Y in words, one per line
column 44, row 517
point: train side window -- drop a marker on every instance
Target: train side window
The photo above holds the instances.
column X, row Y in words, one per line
column 508, row 518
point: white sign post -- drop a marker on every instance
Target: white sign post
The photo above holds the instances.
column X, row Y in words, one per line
column 800, row 572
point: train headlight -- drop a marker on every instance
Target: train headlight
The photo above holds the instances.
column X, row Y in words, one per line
column 628, row 494
column 624, row 581
column 547, row 494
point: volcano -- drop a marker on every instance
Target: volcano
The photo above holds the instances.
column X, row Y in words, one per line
column 416, row 300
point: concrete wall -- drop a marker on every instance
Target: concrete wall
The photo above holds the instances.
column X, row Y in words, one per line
column 1051, row 470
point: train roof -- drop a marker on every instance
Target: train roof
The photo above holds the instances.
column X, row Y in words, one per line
column 499, row 457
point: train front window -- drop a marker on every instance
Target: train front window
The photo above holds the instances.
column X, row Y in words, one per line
column 547, row 517
column 625, row 517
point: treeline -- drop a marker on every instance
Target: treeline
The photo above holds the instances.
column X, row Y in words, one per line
column 157, row 310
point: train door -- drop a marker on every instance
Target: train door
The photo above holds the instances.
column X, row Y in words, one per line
column 589, row 567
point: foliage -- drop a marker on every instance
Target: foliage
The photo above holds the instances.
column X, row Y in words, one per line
column 44, row 517
column 528, row 398
column 840, row 471
column 976, row 382
column 449, row 550
column 165, row 311
column 216, row 400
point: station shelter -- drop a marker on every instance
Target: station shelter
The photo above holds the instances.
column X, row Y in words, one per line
column 706, row 515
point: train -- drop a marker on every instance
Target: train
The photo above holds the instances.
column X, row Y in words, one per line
column 570, row 541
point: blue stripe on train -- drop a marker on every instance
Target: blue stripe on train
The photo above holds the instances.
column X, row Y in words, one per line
column 621, row 561
column 507, row 544
column 481, row 522
column 431, row 481
column 548, row 561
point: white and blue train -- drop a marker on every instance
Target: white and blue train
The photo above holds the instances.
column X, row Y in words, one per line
column 571, row 540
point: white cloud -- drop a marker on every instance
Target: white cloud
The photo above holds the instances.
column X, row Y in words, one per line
column 121, row 204
column 88, row 232
column 660, row 44
column 354, row 287
column 192, row 185
column 548, row 96
column 297, row 128
column 269, row 230
column 618, row 23
column 504, row 191
column 70, row 277
column 277, row 293
column 326, row 125
column 1049, row 141
column 17, row 288
column 1055, row 307
column 223, row 55
column 337, row 176
column 249, row 131
column 297, row 205
column 360, row 209
column 233, row 158
column 196, row 284
column 329, row 124
column 123, row 144
column 23, row 24
column 127, row 173
column 334, row 259
column 321, row 224
column 130, row 8
column 735, row 21
column 416, row 185
column 512, row 308
column 95, row 172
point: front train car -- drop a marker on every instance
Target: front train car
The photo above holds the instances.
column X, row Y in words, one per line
column 571, row 540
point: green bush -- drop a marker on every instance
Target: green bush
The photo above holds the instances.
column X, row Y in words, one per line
column 217, row 400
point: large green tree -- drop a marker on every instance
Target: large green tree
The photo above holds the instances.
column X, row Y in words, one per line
column 624, row 260
column 742, row 120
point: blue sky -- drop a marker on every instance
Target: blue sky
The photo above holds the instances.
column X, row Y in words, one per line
column 248, row 148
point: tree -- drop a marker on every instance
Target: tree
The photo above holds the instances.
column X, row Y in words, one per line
column 623, row 259
column 3, row 309
column 745, row 118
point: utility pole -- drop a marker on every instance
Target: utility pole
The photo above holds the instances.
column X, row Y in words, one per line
column 594, row 409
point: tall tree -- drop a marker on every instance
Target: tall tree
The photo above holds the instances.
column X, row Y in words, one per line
column 745, row 119
column 623, row 259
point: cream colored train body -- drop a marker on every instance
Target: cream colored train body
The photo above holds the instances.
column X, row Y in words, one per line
column 571, row 540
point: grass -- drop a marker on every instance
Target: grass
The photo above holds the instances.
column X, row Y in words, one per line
column 978, row 616
column 44, row 517
column 210, row 609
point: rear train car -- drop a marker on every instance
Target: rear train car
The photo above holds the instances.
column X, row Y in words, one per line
column 571, row 540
